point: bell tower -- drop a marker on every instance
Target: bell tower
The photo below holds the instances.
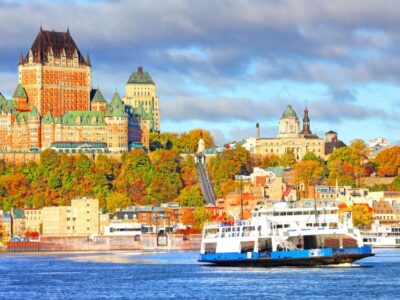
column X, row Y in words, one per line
column 306, row 123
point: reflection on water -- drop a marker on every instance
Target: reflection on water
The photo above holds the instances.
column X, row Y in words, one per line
column 114, row 257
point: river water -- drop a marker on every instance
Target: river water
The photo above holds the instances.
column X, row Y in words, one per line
column 177, row 275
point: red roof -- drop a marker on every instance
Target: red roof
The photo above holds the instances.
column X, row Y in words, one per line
column 287, row 191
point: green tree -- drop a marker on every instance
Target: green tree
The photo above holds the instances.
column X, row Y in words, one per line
column 287, row 160
column 201, row 215
column 395, row 185
column 225, row 166
column 166, row 182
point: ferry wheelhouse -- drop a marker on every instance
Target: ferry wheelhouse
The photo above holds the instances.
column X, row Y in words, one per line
column 285, row 236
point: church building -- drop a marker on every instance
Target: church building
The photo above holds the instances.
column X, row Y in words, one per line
column 293, row 138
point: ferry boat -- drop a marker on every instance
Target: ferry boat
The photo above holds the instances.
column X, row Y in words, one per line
column 382, row 236
column 285, row 236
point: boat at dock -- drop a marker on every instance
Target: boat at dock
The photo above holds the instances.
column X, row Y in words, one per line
column 285, row 236
column 380, row 236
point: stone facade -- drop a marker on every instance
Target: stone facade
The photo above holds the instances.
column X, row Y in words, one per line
column 292, row 139
column 140, row 93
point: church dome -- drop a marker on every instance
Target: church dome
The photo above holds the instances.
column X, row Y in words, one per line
column 289, row 113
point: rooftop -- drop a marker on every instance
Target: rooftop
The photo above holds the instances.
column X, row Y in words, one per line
column 140, row 77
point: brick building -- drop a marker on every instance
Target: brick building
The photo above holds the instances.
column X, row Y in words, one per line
column 54, row 107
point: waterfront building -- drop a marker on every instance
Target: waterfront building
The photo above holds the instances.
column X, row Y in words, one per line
column 53, row 106
column 81, row 218
column 140, row 93
column 33, row 219
column 18, row 222
column 6, row 222
column 384, row 212
column 293, row 138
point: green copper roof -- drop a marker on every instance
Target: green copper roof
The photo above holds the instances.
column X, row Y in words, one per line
column 277, row 170
column 48, row 118
column 140, row 77
column 83, row 118
column 9, row 106
column 58, row 120
column 18, row 213
column 97, row 96
column 34, row 112
column 116, row 108
column 23, row 117
column 289, row 113
column 19, row 92
column 141, row 112
column 151, row 118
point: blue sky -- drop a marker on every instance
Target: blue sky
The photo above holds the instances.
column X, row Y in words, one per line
column 225, row 65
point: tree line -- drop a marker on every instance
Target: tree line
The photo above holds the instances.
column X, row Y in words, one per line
column 166, row 175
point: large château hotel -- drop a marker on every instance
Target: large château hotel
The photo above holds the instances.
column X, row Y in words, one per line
column 54, row 105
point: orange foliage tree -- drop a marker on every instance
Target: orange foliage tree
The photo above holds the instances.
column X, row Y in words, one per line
column 388, row 162
column 306, row 172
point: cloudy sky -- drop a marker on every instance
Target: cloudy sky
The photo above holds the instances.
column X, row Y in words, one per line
column 224, row 65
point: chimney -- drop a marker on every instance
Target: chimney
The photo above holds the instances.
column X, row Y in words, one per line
column 140, row 71
column 257, row 131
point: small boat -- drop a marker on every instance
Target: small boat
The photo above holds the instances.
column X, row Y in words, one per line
column 285, row 236
column 382, row 236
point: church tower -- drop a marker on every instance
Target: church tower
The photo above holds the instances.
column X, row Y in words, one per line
column 306, row 123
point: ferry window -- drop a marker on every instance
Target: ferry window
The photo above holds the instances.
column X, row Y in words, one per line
column 290, row 213
column 298, row 213
column 283, row 213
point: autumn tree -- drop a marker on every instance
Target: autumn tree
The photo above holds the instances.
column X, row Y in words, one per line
column 201, row 215
column 225, row 166
column 188, row 172
column 265, row 161
column 135, row 176
column 306, row 172
column 311, row 156
column 190, row 196
column 166, row 182
column 102, row 175
column 388, row 162
column 346, row 164
column 116, row 201
column 287, row 160
column 361, row 215
column 189, row 141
